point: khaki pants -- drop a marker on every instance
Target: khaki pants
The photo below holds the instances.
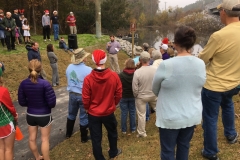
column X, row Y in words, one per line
column 141, row 112
column 73, row 29
column 114, row 63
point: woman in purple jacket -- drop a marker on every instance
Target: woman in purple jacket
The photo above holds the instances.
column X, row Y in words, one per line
column 38, row 96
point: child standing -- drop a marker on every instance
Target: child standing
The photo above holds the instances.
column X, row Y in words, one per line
column 17, row 35
column 26, row 32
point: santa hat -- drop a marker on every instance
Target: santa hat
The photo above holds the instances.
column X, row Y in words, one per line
column 46, row 11
column 99, row 57
column 165, row 40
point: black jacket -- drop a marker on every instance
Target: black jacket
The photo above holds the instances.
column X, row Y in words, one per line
column 126, row 78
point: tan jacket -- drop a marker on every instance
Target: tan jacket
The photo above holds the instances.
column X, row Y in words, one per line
column 142, row 82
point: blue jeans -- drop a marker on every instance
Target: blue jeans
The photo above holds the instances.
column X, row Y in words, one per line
column 75, row 103
column 211, row 101
column 95, row 127
column 55, row 31
column 147, row 112
column 169, row 138
column 127, row 105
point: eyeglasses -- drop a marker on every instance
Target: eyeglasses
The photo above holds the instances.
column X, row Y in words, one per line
column 220, row 9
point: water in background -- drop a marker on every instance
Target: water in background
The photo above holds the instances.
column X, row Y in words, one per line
column 154, row 37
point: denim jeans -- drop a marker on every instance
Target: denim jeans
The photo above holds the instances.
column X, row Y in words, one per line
column 169, row 138
column 147, row 112
column 55, row 31
column 127, row 106
column 211, row 102
column 95, row 127
column 75, row 103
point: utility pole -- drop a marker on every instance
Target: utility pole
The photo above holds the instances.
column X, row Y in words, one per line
column 98, row 18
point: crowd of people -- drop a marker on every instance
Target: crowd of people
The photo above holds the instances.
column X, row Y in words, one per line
column 15, row 28
column 183, row 90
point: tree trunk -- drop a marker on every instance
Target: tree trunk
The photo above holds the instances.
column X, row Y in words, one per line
column 98, row 18
column 34, row 20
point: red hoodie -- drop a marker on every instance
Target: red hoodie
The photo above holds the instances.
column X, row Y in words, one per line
column 102, row 91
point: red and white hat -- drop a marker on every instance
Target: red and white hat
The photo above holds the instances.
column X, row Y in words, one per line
column 99, row 57
column 46, row 11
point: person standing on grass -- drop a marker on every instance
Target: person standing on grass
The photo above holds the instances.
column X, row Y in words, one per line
column 113, row 48
column 8, row 23
column 221, row 56
column 102, row 91
column 2, row 29
column 76, row 72
column 34, row 53
column 142, row 91
column 26, row 31
column 127, row 103
column 46, row 25
column 178, row 83
column 53, row 63
column 55, row 25
column 38, row 96
column 8, row 119
column 71, row 20
column 18, row 22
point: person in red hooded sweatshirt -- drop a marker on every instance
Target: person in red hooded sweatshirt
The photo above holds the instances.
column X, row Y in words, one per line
column 102, row 91
column 8, row 116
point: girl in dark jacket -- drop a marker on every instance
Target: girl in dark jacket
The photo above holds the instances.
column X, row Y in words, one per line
column 127, row 103
column 38, row 96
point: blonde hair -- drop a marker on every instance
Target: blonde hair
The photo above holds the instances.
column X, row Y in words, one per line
column 34, row 68
column 129, row 64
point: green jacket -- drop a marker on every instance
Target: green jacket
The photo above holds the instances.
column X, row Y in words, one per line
column 9, row 23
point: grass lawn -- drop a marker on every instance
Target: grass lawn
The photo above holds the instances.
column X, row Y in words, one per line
column 133, row 148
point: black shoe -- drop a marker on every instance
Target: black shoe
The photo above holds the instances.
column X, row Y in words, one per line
column 86, row 140
column 232, row 139
column 213, row 157
column 13, row 48
column 119, row 152
column 9, row 50
column 84, row 134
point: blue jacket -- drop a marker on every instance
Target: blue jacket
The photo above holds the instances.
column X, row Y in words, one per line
column 39, row 97
column 33, row 54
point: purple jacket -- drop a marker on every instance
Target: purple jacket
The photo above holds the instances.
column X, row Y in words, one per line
column 39, row 97
column 111, row 49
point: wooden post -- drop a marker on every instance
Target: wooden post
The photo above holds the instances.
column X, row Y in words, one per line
column 132, row 30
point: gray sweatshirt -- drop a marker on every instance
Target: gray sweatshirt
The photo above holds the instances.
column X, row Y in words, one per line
column 111, row 49
column 52, row 57
column 45, row 20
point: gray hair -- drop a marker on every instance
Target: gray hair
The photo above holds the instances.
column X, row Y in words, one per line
column 156, row 55
column 144, row 60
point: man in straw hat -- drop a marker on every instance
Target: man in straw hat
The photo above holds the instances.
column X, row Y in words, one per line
column 76, row 72
column 102, row 91
column 221, row 56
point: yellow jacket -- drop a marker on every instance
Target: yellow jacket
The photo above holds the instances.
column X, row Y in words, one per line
column 222, row 58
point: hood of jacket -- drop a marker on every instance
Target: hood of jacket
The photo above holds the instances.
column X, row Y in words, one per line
column 101, row 76
column 127, row 75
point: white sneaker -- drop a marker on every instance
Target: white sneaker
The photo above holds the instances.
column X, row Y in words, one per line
column 45, row 40
column 141, row 135
column 124, row 132
column 49, row 39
